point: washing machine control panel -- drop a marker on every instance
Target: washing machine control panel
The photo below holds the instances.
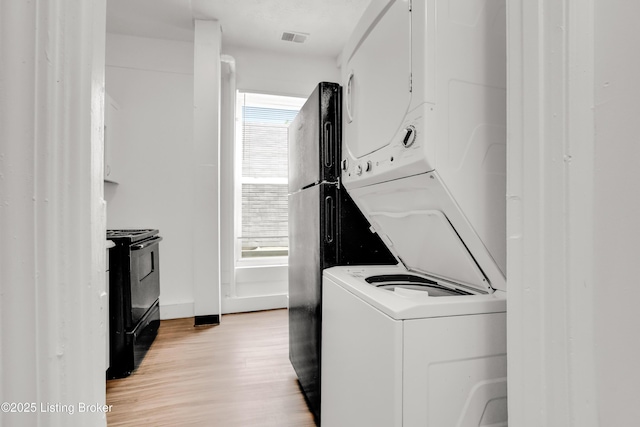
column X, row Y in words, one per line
column 405, row 155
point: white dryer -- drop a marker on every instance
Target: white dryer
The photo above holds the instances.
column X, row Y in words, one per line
column 425, row 92
column 424, row 158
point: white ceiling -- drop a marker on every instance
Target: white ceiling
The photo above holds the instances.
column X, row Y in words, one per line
column 257, row 24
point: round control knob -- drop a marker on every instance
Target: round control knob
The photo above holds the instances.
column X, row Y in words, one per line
column 359, row 170
column 409, row 136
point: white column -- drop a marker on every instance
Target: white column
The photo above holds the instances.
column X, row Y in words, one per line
column 617, row 211
column 52, row 216
column 206, row 128
column 550, row 208
column 227, row 181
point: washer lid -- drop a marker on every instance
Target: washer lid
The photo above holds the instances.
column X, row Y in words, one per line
column 428, row 233
column 424, row 241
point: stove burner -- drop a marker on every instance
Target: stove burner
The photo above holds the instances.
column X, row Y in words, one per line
column 131, row 235
column 125, row 232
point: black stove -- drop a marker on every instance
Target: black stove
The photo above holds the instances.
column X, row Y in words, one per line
column 134, row 292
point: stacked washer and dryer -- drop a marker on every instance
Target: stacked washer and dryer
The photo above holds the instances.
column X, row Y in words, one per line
column 423, row 343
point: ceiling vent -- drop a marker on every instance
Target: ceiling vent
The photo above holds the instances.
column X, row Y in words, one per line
column 294, row 37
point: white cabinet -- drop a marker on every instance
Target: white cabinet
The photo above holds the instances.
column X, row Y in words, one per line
column 111, row 138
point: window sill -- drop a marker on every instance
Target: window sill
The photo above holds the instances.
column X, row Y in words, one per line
column 265, row 253
column 271, row 261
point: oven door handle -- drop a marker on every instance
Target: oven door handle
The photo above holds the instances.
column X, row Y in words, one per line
column 146, row 243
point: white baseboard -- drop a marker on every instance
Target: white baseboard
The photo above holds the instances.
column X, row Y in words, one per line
column 256, row 303
column 229, row 305
column 176, row 311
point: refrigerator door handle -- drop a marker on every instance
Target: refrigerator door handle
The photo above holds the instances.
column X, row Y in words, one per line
column 328, row 145
column 329, row 218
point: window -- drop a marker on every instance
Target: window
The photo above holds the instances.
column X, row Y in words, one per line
column 262, row 148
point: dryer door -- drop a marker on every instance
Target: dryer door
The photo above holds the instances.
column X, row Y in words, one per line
column 377, row 85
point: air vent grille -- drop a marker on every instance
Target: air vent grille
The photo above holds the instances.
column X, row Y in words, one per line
column 289, row 36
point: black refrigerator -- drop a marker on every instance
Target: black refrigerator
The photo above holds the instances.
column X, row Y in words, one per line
column 326, row 229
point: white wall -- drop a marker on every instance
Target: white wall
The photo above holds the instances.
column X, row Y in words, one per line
column 152, row 82
column 281, row 74
column 52, row 213
column 550, row 308
column 573, row 209
column 617, row 212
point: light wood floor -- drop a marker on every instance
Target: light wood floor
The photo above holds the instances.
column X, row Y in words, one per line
column 234, row 374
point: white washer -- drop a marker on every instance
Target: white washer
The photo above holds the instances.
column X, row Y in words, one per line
column 424, row 158
column 402, row 358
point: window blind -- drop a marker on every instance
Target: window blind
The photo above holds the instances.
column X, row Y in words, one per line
column 264, row 183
